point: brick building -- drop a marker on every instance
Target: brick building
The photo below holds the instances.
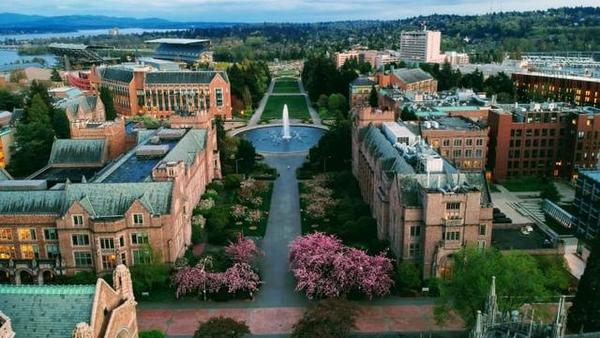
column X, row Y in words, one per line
column 581, row 90
column 408, row 79
column 78, row 311
column 461, row 141
column 543, row 140
column 423, row 206
column 360, row 91
column 82, row 213
column 138, row 89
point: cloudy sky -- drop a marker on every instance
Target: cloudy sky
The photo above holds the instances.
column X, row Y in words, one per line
column 276, row 10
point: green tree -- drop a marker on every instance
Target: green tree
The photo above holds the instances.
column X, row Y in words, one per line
column 222, row 327
column 31, row 149
column 518, row 280
column 109, row 106
column 152, row 334
column 149, row 274
column 9, row 100
column 323, row 101
column 373, row 99
column 55, row 75
column 330, row 318
column 247, row 97
column 61, row 124
column 38, row 111
column 246, row 155
column 408, row 114
column 584, row 315
column 407, row 277
column 550, row 192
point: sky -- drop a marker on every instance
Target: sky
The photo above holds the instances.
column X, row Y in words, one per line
column 276, row 10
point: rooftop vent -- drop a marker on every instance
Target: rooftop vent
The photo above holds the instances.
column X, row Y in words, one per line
column 152, row 150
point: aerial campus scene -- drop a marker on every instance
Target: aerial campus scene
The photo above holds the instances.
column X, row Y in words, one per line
column 214, row 168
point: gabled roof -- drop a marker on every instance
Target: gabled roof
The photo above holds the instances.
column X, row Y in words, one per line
column 114, row 199
column 186, row 149
column 116, row 74
column 69, row 151
column 411, row 75
column 87, row 103
column 31, row 202
column 47, row 311
column 380, row 148
column 183, row 77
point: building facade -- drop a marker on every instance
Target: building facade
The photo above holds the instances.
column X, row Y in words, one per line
column 138, row 90
column 423, row 206
column 408, row 79
column 360, row 91
column 459, row 140
column 587, row 203
column 420, row 46
column 581, row 90
column 78, row 311
column 543, row 140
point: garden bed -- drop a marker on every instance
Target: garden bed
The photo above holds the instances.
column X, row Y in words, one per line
column 523, row 184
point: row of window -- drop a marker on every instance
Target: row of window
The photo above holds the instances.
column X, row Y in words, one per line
column 469, row 153
column 458, row 142
column 78, row 220
column 84, row 259
column 534, row 153
column 536, row 132
column 108, row 243
column 27, row 234
column 28, row 251
column 535, row 142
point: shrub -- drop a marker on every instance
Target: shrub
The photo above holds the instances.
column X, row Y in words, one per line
column 216, row 186
column 331, row 318
column 222, row 327
column 232, row 181
column 151, row 334
column 83, row 277
column 196, row 233
column 407, row 277
column 148, row 277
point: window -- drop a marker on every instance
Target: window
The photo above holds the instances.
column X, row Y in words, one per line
column 7, row 251
column 107, row 243
column 78, row 220
column 27, row 234
column 109, row 262
column 121, row 241
column 453, row 210
column 30, row 251
column 456, row 153
column 479, row 153
column 468, row 152
column 482, row 229
column 446, row 143
column 138, row 219
column 457, row 142
column 123, row 258
column 469, row 142
column 141, row 257
column 453, row 206
column 50, row 234
column 479, row 142
column 452, row 235
column 52, row 251
column 80, row 240
column 6, row 234
column 219, row 97
column 414, row 250
column 415, row 231
column 82, row 258
column 139, row 238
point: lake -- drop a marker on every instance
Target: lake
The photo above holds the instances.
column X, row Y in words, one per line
column 85, row 32
column 12, row 55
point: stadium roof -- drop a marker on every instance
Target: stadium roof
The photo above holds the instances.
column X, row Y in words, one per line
column 178, row 41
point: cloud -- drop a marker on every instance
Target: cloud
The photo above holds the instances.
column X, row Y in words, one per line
column 276, row 10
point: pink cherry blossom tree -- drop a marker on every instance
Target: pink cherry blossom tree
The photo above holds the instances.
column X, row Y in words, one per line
column 324, row 267
column 243, row 250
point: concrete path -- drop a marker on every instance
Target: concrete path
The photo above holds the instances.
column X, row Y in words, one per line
column 283, row 227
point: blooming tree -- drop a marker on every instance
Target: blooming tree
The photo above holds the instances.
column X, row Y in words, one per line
column 243, row 250
column 324, row 267
column 241, row 277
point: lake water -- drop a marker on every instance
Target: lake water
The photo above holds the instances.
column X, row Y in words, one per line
column 12, row 55
column 85, row 32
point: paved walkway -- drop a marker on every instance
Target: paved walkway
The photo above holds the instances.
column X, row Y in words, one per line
column 261, row 105
column 279, row 321
column 314, row 115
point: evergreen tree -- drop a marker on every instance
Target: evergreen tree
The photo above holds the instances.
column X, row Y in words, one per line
column 550, row 192
column 10, row 101
column 109, row 106
column 584, row 315
column 55, row 76
column 373, row 99
column 246, row 154
column 61, row 124
column 38, row 111
column 41, row 90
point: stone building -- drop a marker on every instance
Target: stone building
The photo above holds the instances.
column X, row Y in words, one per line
column 138, row 89
column 423, row 206
column 78, row 311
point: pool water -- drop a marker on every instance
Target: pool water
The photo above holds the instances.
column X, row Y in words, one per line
column 269, row 139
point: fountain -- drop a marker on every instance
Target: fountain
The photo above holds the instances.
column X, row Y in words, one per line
column 286, row 123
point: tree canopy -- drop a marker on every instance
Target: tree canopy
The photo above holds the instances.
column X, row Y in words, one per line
column 584, row 315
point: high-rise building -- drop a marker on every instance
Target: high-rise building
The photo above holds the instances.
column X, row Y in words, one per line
column 587, row 203
column 420, row 46
column 579, row 89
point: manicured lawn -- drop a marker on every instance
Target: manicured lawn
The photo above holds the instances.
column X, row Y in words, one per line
column 296, row 107
column 519, row 184
column 286, row 86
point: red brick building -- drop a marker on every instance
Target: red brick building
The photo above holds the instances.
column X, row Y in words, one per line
column 583, row 91
column 543, row 140
column 138, row 90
